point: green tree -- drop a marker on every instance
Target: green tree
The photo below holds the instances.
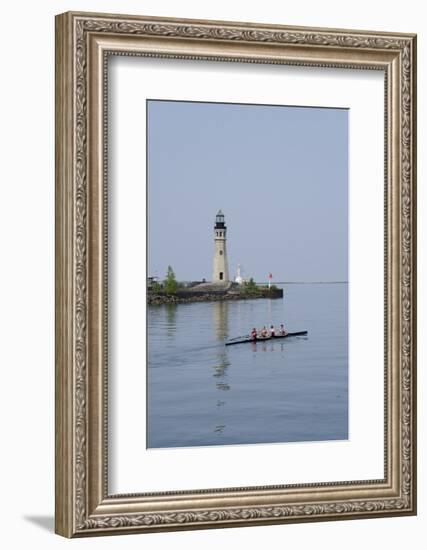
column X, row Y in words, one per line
column 156, row 288
column 251, row 288
column 251, row 285
column 170, row 283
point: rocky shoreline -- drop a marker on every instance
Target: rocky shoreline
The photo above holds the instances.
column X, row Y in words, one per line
column 185, row 297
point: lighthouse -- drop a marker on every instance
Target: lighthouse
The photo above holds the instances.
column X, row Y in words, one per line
column 220, row 262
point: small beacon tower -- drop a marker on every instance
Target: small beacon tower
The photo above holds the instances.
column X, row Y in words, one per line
column 220, row 262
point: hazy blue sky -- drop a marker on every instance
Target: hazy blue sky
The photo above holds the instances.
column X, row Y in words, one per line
column 280, row 175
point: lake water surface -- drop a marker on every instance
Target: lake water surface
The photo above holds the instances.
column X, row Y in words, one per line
column 201, row 392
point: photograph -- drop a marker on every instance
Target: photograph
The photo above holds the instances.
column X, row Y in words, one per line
column 247, row 274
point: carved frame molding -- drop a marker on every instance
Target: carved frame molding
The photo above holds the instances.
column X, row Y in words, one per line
column 83, row 42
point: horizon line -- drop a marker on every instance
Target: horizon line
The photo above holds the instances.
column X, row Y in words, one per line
column 304, row 282
column 266, row 282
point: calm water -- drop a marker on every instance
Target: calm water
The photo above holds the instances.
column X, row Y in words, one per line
column 203, row 393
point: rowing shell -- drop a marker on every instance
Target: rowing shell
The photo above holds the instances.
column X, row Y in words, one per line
column 245, row 340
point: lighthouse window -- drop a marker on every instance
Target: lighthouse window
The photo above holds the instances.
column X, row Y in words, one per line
column 221, row 275
column 220, row 252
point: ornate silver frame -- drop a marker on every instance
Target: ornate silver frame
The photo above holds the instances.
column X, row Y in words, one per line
column 83, row 505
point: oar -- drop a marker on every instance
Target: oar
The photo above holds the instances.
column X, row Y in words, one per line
column 238, row 338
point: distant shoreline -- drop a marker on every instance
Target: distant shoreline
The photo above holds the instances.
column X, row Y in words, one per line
column 308, row 283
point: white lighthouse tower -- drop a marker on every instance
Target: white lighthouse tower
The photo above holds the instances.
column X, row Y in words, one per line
column 220, row 262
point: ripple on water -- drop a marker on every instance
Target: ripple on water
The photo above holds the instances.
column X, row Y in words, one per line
column 203, row 393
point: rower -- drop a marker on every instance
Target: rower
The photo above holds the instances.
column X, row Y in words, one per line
column 254, row 334
column 282, row 330
column 264, row 332
column 272, row 331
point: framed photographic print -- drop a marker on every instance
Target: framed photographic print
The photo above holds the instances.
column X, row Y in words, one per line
column 235, row 274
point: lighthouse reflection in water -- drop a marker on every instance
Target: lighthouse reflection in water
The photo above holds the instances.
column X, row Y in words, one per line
column 201, row 392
